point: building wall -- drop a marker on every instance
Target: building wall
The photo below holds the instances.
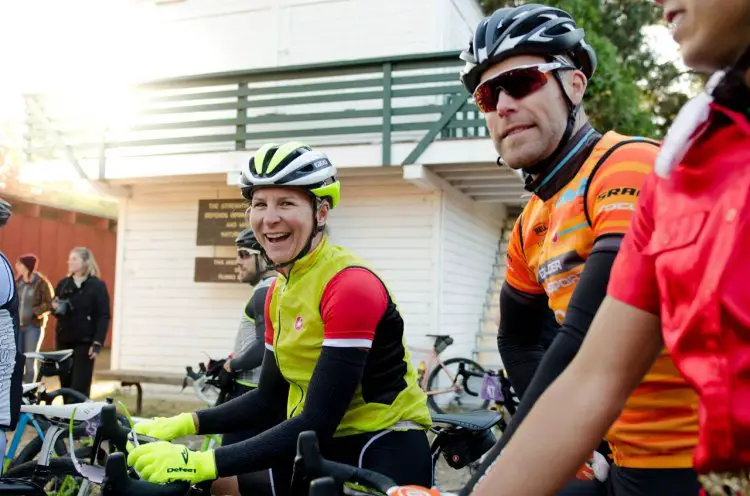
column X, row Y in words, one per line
column 199, row 36
column 459, row 20
column 469, row 249
column 165, row 321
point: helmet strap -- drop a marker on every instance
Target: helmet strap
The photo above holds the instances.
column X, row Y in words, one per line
column 573, row 109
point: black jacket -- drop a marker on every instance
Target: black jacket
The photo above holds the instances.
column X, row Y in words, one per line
column 89, row 317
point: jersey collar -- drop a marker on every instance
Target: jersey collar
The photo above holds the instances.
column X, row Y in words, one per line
column 575, row 153
column 305, row 263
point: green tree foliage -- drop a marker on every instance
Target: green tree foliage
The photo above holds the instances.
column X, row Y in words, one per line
column 630, row 92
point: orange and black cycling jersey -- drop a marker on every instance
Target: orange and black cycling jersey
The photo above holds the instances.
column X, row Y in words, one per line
column 577, row 214
column 554, row 236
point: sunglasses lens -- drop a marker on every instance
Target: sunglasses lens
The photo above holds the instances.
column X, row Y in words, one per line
column 518, row 84
column 522, row 83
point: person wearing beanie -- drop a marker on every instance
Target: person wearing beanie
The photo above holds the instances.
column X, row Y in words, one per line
column 35, row 296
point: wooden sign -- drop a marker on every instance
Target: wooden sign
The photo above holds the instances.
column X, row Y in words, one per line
column 219, row 222
column 209, row 269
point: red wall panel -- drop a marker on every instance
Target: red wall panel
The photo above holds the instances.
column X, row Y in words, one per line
column 50, row 234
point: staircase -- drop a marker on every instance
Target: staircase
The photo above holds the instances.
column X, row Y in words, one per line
column 485, row 351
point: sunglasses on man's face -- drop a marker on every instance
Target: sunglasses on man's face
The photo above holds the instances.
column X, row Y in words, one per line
column 518, row 83
column 244, row 253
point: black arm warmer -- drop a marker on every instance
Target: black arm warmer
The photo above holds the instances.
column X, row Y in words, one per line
column 334, row 381
column 586, row 299
column 264, row 406
column 525, row 319
column 252, row 357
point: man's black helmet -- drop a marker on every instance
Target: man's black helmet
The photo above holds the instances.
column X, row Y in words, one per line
column 531, row 29
column 247, row 239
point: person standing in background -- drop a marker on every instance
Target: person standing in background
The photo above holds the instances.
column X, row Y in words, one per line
column 82, row 310
column 35, row 295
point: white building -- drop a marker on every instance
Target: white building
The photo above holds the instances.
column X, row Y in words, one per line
column 422, row 201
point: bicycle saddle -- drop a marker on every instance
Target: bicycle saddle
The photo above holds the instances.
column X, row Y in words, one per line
column 438, row 335
column 30, row 387
column 51, row 356
column 474, row 421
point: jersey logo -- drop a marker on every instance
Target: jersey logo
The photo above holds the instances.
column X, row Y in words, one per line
column 540, row 229
column 298, row 324
column 619, row 191
column 559, row 265
column 617, row 206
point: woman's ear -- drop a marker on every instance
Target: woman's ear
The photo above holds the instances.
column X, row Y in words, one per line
column 322, row 214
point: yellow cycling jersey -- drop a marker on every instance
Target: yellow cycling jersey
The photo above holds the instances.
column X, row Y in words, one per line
column 388, row 396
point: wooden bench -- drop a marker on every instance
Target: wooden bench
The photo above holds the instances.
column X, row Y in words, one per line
column 136, row 377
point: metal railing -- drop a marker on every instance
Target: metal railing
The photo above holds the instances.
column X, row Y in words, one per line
column 410, row 98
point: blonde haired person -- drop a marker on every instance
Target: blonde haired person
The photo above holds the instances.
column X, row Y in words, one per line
column 82, row 310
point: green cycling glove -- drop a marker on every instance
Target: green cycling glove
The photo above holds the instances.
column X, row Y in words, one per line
column 167, row 428
column 162, row 462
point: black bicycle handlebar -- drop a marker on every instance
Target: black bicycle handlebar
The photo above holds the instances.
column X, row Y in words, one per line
column 470, row 373
column 118, row 482
column 112, row 430
column 310, row 463
column 192, row 374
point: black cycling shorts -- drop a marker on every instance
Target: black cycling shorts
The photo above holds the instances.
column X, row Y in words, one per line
column 653, row 482
column 404, row 456
column 624, row 481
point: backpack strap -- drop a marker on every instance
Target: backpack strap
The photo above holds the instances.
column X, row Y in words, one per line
column 601, row 162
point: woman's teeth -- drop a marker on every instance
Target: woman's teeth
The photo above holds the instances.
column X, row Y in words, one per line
column 275, row 238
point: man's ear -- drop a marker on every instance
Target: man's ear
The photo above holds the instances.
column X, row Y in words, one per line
column 577, row 83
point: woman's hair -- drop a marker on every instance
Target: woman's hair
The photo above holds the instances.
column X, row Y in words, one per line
column 92, row 269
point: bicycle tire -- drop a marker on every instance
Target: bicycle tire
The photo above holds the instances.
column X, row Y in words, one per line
column 471, row 364
column 32, row 449
column 58, row 467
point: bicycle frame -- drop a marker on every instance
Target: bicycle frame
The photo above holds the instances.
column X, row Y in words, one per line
column 434, row 361
column 23, row 421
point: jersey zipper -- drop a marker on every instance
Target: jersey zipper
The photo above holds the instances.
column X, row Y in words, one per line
column 278, row 363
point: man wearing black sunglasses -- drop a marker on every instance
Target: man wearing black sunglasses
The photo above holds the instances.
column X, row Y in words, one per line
column 528, row 68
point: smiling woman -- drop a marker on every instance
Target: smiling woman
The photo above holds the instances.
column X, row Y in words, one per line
column 335, row 361
column 291, row 188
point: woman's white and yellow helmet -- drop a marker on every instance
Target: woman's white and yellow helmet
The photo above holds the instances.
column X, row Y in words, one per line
column 293, row 165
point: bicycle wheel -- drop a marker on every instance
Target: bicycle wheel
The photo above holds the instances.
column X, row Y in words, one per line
column 61, row 476
column 443, row 398
column 32, row 449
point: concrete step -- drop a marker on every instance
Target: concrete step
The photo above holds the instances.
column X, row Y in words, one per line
column 486, row 340
column 489, row 359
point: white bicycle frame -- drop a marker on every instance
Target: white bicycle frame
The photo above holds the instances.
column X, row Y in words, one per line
column 71, row 412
